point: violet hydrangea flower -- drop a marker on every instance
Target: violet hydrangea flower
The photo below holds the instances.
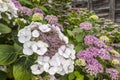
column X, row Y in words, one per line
column 37, row 10
column 22, row 9
column 51, row 19
column 94, row 68
column 86, row 25
column 26, row 11
column 89, row 39
column 92, row 40
column 104, row 54
column 114, row 74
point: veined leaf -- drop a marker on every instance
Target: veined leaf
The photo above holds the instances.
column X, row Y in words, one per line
column 21, row 69
column 4, row 29
column 7, row 55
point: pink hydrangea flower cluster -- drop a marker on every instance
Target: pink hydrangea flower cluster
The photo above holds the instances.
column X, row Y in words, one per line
column 96, row 49
column 86, row 25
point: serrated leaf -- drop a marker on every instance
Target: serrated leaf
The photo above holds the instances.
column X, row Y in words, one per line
column 21, row 70
column 79, row 47
column 4, row 29
column 43, row 8
column 70, row 33
column 80, row 37
column 17, row 48
column 26, row 2
column 7, row 54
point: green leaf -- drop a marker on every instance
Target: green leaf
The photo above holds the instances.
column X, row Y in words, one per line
column 78, row 76
column 71, row 76
column 79, row 47
column 3, row 75
column 4, row 29
column 43, row 8
column 17, row 48
column 76, row 73
column 65, row 77
column 80, row 37
column 7, row 55
column 21, row 70
column 70, row 33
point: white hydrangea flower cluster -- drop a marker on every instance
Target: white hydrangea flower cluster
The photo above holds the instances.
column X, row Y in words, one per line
column 8, row 7
column 62, row 62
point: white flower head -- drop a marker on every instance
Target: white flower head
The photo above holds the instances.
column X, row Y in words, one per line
column 8, row 8
column 43, row 59
column 68, row 66
column 27, row 47
column 3, row 7
column 40, row 47
column 35, row 25
column 45, row 28
column 24, row 35
column 37, row 69
column 53, row 70
column 67, row 51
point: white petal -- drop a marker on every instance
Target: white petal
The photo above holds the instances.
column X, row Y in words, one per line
column 46, row 67
column 36, row 69
column 28, row 44
column 41, row 51
column 46, row 59
column 40, row 60
column 44, row 28
column 27, row 51
column 34, row 47
column 35, row 33
column 52, row 70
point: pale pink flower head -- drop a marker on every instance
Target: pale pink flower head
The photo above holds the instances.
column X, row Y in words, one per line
column 86, row 25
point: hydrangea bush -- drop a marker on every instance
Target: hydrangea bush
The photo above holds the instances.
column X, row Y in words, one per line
column 42, row 40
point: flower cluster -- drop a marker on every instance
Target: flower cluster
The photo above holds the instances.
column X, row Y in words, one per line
column 114, row 74
column 53, row 20
column 22, row 9
column 86, row 26
column 97, row 49
column 8, row 7
column 92, row 40
column 55, row 55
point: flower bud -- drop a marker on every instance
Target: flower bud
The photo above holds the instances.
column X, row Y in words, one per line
column 37, row 1
column 94, row 17
column 80, row 62
column 37, row 17
column 104, row 38
column 114, row 51
column 115, row 61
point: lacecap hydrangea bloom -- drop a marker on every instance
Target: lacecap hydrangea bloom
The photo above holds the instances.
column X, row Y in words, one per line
column 55, row 55
column 8, row 7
